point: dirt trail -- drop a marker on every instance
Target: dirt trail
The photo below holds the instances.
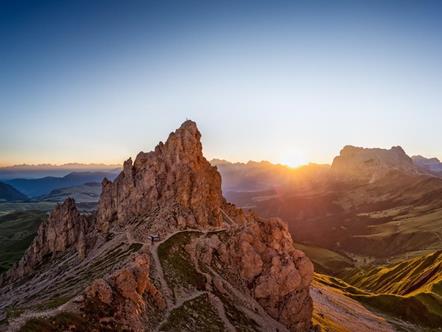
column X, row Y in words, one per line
column 16, row 324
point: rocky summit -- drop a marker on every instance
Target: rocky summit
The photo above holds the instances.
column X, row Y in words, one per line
column 163, row 252
column 372, row 163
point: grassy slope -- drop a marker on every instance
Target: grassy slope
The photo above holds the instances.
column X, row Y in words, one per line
column 17, row 230
column 326, row 261
column 194, row 315
column 421, row 309
column 408, row 277
column 410, row 290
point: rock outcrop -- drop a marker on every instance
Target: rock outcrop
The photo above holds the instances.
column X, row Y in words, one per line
column 372, row 164
column 262, row 256
column 64, row 228
column 121, row 297
column 174, row 173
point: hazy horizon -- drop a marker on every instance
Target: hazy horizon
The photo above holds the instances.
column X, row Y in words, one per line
column 288, row 82
column 119, row 164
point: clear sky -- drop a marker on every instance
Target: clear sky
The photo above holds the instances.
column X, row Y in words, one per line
column 286, row 81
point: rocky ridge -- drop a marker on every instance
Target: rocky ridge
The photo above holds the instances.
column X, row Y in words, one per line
column 372, row 163
column 112, row 276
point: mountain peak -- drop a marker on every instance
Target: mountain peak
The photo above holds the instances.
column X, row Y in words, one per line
column 372, row 163
column 174, row 174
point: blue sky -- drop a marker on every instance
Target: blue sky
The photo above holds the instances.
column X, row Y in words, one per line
column 286, row 81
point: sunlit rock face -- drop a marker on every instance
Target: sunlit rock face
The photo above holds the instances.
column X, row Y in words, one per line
column 174, row 173
column 263, row 258
column 372, row 164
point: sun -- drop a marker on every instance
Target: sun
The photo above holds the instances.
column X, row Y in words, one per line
column 292, row 160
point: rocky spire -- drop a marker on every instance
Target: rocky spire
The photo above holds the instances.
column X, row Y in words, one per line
column 175, row 173
column 65, row 227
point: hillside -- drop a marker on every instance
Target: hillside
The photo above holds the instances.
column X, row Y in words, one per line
column 9, row 193
column 213, row 267
column 410, row 289
column 17, row 230
column 43, row 186
column 85, row 193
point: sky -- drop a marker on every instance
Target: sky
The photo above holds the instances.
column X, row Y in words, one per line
column 286, row 81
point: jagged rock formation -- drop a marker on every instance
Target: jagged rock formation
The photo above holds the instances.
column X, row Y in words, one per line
column 122, row 293
column 262, row 257
column 371, row 164
column 175, row 173
column 64, row 228
column 113, row 276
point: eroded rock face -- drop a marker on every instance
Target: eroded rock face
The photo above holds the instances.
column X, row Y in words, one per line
column 174, row 173
column 122, row 296
column 371, row 164
column 277, row 275
column 64, row 228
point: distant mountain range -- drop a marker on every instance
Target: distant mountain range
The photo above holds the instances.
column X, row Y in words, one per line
column 43, row 186
column 256, row 176
column 43, row 170
column 9, row 193
column 359, row 163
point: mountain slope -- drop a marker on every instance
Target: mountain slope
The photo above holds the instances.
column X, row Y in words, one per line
column 430, row 165
column 17, row 230
column 367, row 163
column 409, row 288
column 85, row 193
column 214, row 266
column 43, row 186
column 9, row 193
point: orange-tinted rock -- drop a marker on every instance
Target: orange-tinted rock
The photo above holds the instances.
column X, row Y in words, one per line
column 174, row 173
column 261, row 252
